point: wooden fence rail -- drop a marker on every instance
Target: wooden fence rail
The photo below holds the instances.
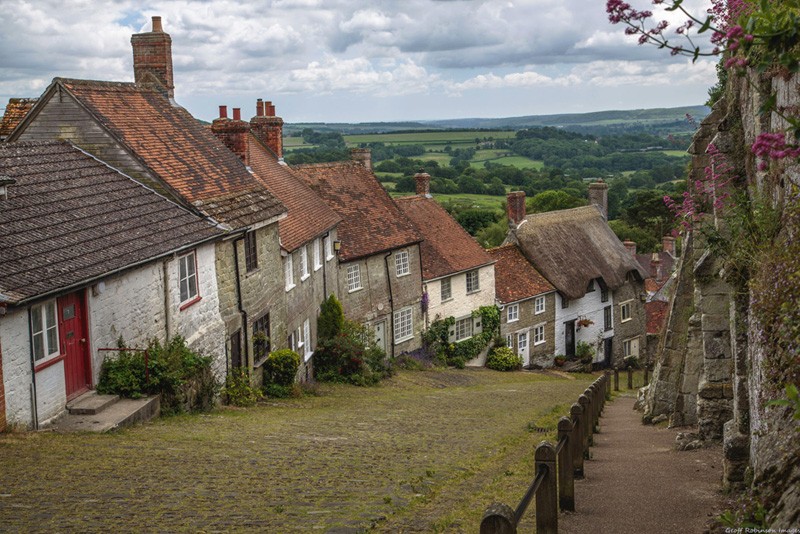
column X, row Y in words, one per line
column 556, row 467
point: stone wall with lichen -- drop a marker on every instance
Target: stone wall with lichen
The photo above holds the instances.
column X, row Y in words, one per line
column 733, row 334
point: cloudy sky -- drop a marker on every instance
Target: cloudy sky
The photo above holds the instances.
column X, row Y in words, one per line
column 358, row 60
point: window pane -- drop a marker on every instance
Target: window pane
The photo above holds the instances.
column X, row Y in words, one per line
column 184, row 290
column 38, row 347
column 52, row 340
column 36, row 319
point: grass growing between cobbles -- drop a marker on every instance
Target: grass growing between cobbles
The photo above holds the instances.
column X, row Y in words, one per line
column 425, row 451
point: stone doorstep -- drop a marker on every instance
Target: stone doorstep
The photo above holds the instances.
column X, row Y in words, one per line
column 124, row 412
column 91, row 403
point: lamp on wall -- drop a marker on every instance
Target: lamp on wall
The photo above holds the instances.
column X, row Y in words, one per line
column 337, row 246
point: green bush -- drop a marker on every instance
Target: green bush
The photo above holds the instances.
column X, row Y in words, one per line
column 280, row 370
column 238, row 391
column 331, row 319
column 181, row 376
column 351, row 357
column 504, row 359
column 584, row 352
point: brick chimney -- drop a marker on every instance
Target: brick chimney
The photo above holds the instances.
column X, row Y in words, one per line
column 232, row 132
column 515, row 208
column 152, row 58
column 655, row 266
column 631, row 246
column 423, row 180
column 598, row 195
column 267, row 127
column 362, row 156
column 668, row 245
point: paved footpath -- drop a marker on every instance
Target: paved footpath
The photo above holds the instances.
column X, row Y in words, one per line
column 636, row 482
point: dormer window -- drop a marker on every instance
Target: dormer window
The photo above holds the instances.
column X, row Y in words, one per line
column 590, row 287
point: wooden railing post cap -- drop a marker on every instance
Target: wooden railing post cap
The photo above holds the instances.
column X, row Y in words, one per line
column 545, row 452
column 576, row 409
column 498, row 519
column 564, row 424
column 583, row 399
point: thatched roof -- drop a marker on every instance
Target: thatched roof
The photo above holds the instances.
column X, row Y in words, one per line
column 572, row 247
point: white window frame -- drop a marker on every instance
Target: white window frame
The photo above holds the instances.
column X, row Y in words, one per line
column 46, row 333
column 539, row 305
column 449, row 288
column 627, row 345
column 300, row 341
column 353, row 278
column 328, row 242
column 189, row 279
column 512, row 313
column 401, row 264
column 625, row 311
column 403, row 323
column 317, row 255
column 510, row 341
column 304, row 264
column 288, row 272
column 476, row 284
column 538, row 334
column 464, row 328
column 307, row 337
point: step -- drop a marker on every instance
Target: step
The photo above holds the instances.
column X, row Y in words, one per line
column 91, row 403
column 124, row 412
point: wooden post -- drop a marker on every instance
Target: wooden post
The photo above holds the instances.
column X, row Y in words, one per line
column 646, row 374
column 585, row 403
column 616, row 378
column 566, row 472
column 607, row 384
column 576, row 442
column 593, row 411
column 547, row 495
column 630, row 377
column 498, row 519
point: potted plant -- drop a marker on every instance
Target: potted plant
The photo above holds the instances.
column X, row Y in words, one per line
column 559, row 360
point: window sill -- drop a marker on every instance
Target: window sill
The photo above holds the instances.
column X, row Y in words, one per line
column 328, row 258
column 317, row 267
column 289, row 288
column 538, row 312
column 445, row 300
column 626, row 320
column 537, row 343
column 305, row 277
column 307, row 356
column 49, row 363
column 402, row 275
column 509, row 321
column 403, row 339
column 355, row 289
column 473, row 291
column 190, row 303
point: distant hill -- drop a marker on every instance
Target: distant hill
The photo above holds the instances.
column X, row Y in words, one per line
column 654, row 121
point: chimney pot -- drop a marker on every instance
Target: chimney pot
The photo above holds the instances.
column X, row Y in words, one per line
column 668, row 245
column 223, row 112
column 259, row 108
column 237, row 114
column 631, row 246
column 157, row 24
column 515, row 208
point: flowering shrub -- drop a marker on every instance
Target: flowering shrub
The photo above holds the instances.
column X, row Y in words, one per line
column 504, row 359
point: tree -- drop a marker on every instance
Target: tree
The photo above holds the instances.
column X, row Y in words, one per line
column 331, row 319
column 554, row 200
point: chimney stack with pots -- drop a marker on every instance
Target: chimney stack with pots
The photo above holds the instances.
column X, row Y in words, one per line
column 423, row 180
column 668, row 245
column 655, row 266
column 515, row 208
column 267, row 127
column 631, row 246
column 152, row 58
column 233, row 133
column 598, row 195
column 362, row 156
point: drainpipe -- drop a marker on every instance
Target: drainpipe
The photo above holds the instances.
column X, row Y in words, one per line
column 242, row 311
column 324, row 267
column 165, row 276
column 391, row 298
column 34, row 410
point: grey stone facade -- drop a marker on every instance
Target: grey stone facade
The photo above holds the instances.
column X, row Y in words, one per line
column 542, row 354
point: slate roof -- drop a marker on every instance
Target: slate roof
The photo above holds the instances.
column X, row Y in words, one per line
column 16, row 109
column 70, row 218
column 572, row 247
column 309, row 216
column 446, row 247
column 178, row 149
column 371, row 221
column 515, row 278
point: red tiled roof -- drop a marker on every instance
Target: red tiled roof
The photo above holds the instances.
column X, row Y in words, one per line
column 446, row 247
column 371, row 221
column 178, row 149
column 656, row 312
column 667, row 266
column 16, row 110
column 309, row 216
column 70, row 218
column 514, row 276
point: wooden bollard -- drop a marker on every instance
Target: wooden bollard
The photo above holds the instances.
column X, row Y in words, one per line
column 547, row 494
column 630, row 377
column 586, row 404
column 646, row 374
column 566, row 472
column 576, row 444
column 616, row 378
column 498, row 519
column 608, row 384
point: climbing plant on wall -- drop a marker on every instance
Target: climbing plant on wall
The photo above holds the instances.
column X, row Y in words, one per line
column 457, row 353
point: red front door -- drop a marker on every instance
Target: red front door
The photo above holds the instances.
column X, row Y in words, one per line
column 74, row 343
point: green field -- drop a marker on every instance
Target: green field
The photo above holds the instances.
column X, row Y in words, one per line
column 428, row 138
column 474, row 201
